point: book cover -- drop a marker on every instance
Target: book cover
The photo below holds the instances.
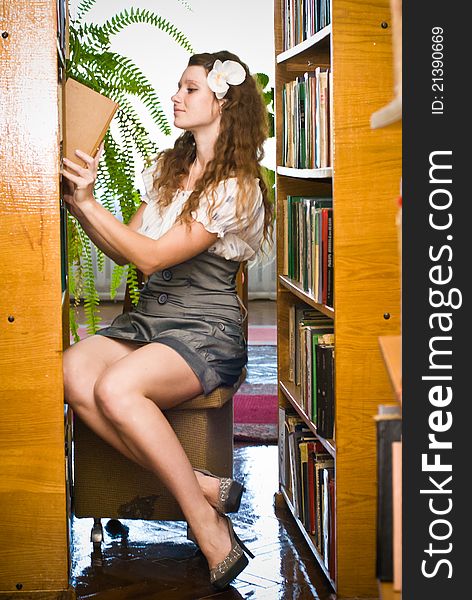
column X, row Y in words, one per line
column 304, row 518
column 311, row 487
column 321, row 326
column 397, row 514
column 323, row 101
column 330, row 263
column 319, row 465
column 282, row 446
column 332, row 524
column 301, row 435
column 88, row 115
column 326, row 515
column 389, row 429
column 316, row 337
column 325, row 390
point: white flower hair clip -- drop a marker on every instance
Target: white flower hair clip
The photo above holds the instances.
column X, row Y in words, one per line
column 223, row 75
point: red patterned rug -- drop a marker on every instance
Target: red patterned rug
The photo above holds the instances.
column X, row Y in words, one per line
column 256, row 413
column 262, row 335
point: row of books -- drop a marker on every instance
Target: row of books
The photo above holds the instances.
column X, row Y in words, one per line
column 307, row 475
column 302, row 19
column 306, row 116
column 308, row 246
column 311, row 365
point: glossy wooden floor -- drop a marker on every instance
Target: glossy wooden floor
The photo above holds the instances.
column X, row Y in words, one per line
column 154, row 560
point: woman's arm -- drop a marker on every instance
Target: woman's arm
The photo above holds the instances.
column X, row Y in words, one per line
column 98, row 239
column 179, row 244
column 75, row 189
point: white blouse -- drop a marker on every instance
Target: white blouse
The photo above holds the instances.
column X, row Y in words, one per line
column 239, row 238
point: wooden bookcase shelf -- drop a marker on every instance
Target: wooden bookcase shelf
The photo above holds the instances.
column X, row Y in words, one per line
column 35, row 500
column 300, row 49
column 298, row 291
column 363, row 182
column 325, row 173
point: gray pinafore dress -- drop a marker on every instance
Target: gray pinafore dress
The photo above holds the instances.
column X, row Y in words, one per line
column 194, row 309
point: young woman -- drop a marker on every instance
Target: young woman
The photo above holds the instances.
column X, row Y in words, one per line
column 205, row 210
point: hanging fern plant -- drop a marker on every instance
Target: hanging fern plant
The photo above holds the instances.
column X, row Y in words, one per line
column 92, row 63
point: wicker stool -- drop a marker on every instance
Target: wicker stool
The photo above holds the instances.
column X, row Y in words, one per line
column 106, row 484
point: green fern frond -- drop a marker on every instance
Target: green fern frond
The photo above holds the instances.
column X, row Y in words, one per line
column 117, row 277
column 100, row 259
column 125, row 74
column 135, row 15
column 131, row 126
column 122, row 184
column 91, row 297
column 73, row 325
column 133, row 286
column 84, row 7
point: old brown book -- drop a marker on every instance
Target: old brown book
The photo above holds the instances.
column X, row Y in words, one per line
column 88, row 115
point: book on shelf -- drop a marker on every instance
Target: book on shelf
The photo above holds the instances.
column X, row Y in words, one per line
column 306, row 120
column 316, row 339
column 282, row 448
column 308, row 493
column 297, row 314
column 324, row 255
column 330, row 263
column 389, row 430
column 298, row 432
column 325, row 390
column 88, row 115
column 397, row 514
column 318, row 324
column 320, row 465
column 332, row 524
column 330, row 116
column 308, row 244
column 302, row 19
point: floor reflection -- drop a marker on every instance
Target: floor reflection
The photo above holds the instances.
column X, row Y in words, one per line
column 153, row 559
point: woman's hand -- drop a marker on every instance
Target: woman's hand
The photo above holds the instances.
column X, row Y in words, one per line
column 79, row 185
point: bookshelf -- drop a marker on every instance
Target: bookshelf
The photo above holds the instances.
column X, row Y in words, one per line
column 34, row 498
column 362, row 178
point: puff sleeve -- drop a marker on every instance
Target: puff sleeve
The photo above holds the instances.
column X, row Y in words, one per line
column 147, row 175
column 239, row 237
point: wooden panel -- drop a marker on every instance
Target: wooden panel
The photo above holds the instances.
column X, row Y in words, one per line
column 368, row 169
column 33, row 523
column 387, row 592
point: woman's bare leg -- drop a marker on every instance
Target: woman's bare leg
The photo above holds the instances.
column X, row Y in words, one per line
column 84, row 363
column 131, row 395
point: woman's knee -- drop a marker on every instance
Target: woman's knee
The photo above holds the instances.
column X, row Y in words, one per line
column 71, row 371
column 113, row 397
column 79, row 378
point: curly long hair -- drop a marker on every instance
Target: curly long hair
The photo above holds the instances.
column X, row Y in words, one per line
column 237, row 153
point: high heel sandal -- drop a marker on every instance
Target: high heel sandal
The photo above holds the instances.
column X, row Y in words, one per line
column 229, row 497
column 235, row 562
column 229, row 494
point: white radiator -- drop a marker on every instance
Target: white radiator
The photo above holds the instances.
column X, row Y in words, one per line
column 262, row 277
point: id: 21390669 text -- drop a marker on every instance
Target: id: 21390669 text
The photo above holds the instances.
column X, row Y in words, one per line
column 437, row 70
